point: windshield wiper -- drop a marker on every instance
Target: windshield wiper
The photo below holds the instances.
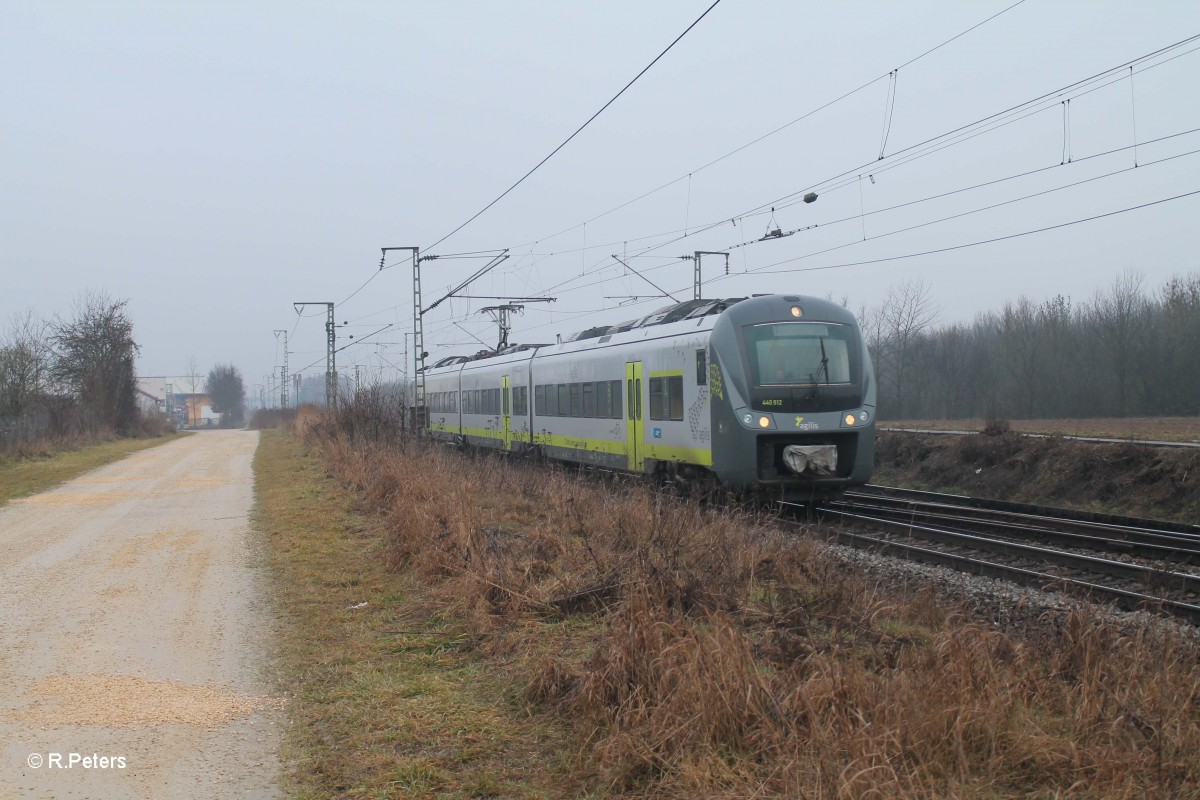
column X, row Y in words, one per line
column 824, row 361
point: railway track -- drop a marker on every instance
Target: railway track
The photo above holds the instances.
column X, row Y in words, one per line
column 1134, row 563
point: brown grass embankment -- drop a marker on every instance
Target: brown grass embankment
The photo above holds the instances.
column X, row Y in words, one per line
column 1164, row 429
column 1122, row 478
column 701, row 653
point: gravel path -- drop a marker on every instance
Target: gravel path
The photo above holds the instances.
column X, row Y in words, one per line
column 134, row 629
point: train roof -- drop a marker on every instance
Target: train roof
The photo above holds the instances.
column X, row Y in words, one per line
column 690, row 309
column 675, row 312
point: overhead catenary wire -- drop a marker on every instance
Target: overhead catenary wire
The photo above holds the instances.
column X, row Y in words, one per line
column 933, row 144
column 992, row 240
column 962, row 246
column 1133, row 69
column 780, row 129
column 954, row 216
column 929, row 146
column 579, row 129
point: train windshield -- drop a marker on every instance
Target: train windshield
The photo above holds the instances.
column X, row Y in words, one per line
column 799, row 353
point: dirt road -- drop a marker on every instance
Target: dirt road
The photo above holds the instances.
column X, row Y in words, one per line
column 134, row 630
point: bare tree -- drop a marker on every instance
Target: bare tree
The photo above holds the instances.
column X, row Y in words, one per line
column 1121, row 316
column 193, row 373
column 1178, row 334
column 93, row 360
column 906, row 314
column 24, row 363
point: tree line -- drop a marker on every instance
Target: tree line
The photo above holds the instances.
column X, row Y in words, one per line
column 69, row 376
column 1128, row 351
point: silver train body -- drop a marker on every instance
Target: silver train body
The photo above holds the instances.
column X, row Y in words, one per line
column 771, row 395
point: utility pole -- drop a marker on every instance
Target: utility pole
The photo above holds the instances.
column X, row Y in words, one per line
column 330, row 350
column 357, row 380
column 283, row 371
column 695, row 257
column 418, row 334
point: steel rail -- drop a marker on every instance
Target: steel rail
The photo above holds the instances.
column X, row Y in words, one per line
column 1125, row 598
column 1180, row 581
column 1063, row 514
column 1097, row 536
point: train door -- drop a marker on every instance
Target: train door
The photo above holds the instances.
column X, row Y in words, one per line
column 506, row 412
column 635, row 440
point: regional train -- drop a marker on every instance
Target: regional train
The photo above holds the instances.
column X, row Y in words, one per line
column 771, row 396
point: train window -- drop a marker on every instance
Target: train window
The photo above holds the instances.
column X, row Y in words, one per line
column 602, row 399
column 539, row 401
column 675, row 397
column 505, row 395
column 589, row 399
column 658, row 399
column 520, row 405
column 614, row 396
column 464, row 402
column 800, row 353
column 564, row 400
column 666, row 397
column 576, row 400
column 701, row 367
column 629, row 397
column 493, row 401
column 453, row 400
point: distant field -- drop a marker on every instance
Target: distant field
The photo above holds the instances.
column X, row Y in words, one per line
column 1166, row 429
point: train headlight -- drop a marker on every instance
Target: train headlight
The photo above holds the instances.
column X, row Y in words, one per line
column 856, row 419
column 756, row 420
column 797, row 312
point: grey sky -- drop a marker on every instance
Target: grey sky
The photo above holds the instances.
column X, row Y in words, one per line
column 215, row 161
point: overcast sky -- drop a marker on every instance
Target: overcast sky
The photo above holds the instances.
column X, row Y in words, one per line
column 215, row 161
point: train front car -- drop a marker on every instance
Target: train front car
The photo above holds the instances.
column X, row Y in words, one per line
column 793, row 398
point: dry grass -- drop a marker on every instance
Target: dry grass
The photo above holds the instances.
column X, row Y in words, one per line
column 1159, row 482
column 386, row 697
column 37, row 472
column 703, row 654
column 1164, row 429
